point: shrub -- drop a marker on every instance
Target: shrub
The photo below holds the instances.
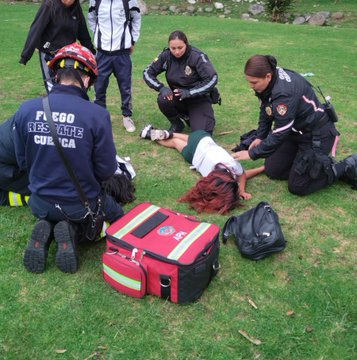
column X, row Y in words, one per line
column 277, row 9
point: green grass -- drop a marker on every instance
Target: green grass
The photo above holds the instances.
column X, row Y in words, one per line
column 306, row 295
column 237, row 8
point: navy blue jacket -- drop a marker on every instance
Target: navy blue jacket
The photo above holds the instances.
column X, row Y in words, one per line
column 289, row 105
column 85, row 132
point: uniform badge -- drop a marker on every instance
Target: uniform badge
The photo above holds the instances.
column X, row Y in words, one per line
column 268, row 110
column 282, row 109
column 188, row 70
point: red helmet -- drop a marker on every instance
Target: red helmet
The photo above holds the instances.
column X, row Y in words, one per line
column 83, row 59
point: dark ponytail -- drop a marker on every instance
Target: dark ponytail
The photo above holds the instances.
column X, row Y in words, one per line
column 260, row 65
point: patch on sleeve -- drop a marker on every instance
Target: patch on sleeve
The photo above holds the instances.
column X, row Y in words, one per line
column 156, row 59
column 268, row 111
column 282, row 109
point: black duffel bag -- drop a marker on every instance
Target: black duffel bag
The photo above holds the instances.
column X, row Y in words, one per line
column 257, row 232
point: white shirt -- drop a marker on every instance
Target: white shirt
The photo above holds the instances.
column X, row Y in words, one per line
column 208, row 154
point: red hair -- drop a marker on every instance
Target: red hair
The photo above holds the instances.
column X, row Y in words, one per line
column 217, row 192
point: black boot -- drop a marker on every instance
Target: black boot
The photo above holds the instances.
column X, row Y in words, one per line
column 37, row 249
column 350, row 170
column 177, row 124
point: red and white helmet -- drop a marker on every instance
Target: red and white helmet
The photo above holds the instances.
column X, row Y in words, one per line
column 83, row 59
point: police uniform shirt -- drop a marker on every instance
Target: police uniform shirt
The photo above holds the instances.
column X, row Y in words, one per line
column 290, row 106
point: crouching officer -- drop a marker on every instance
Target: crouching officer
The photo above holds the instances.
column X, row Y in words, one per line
column 85, row 134
column 191, row 80
column 14, row 189
column 296, row 132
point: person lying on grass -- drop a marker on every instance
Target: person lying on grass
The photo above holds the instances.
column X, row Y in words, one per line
column 224, row 179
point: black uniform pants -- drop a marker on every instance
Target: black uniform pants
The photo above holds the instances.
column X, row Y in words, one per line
column 199, row 111
column 283, row 163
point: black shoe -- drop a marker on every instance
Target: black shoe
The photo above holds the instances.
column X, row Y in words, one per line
column 177, row 127
column 37, row 249
column 185, row 119
column 350, row 174
column 66, row 256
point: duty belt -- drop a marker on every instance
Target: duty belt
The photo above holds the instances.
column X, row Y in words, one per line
column 316, row 133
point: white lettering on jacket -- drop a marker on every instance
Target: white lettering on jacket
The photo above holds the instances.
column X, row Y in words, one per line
column 47, row 140
column 56, row 116
column 64, row 130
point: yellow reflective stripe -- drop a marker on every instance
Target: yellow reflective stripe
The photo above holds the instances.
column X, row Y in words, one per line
column 105, row 227
column 188, row 241
column 121, row 279
column 137, row 220
column 15, row 199
column 27, row 197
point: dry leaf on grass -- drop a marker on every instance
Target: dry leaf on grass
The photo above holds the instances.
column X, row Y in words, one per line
column 250, row 338
column 225, row 133
column 290, row 312
column 60, row 351
column 251, row 302
column 95, row 354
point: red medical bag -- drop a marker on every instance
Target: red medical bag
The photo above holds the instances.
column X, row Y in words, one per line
column 152, row 250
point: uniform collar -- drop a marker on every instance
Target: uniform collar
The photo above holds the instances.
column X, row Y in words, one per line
column 69, row 90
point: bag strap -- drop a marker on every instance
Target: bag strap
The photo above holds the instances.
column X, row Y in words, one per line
column 226, row 232
column 71, row 173
column 265, row 206
column 126, row 9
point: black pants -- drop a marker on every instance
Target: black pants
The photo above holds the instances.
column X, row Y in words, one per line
column 199, row 111
column 43, row 209
column 48, row 74
column 121, row 66
column 282, row 163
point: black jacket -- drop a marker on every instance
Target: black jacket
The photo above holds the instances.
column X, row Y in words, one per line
column 193, row 71
column 48, row 32
column 289, row 105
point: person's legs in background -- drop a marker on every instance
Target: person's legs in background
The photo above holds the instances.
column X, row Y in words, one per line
column 105, row 69
column 123, row 72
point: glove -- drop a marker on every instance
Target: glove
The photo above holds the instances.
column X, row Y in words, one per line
column 165, row 92
column 182, row 93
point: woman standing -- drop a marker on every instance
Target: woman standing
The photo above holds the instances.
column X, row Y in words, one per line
column 191, row 80
column 56, row 24
column 296, row 132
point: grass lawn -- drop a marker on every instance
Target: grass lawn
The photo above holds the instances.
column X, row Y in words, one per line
column 306, row 304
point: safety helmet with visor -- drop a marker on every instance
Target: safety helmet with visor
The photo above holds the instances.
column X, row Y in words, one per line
column 77, row 57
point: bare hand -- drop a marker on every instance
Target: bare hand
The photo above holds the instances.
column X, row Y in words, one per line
column 241, row 155
column 255, row 143
column 245, row 196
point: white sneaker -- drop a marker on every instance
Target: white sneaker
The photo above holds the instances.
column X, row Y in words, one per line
column 128, row 124
column 157, row 134
column 145, row 133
